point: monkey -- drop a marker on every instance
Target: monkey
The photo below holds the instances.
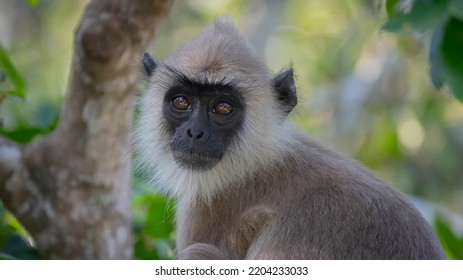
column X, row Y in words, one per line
column 214, row 132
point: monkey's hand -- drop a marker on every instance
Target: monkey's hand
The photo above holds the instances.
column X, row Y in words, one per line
column 202, row 251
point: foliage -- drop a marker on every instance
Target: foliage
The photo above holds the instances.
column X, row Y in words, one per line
column 9, row 72
column 152, row 222
column 13, row 239
column 452, row 244
column 10, row 75
column 445, row 19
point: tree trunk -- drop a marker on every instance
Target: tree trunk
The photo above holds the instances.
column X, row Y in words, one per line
column 71, row 189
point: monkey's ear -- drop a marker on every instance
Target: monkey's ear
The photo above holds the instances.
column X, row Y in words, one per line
column 285, row 87
column 149, row 64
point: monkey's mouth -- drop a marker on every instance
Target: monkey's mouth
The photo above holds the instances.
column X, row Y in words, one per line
column 196, row 160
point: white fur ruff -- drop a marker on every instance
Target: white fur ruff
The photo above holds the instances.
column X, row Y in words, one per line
column 261, row 142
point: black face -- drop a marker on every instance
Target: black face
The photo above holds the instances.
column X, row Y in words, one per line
column 203, row 120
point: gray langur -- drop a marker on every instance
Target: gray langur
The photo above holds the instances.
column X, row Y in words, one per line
column 214, row 132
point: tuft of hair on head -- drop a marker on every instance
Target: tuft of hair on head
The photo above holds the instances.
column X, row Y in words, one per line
column 217, row 53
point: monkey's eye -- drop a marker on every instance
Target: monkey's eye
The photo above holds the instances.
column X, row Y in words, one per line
column 222, row 108
column 181, row 103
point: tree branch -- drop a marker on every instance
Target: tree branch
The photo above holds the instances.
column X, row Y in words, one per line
column 71, row 189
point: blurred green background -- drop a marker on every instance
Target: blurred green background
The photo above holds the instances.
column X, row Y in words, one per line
column 364, row 84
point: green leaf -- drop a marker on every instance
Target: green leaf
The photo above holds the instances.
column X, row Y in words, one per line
column 19, row 248
column 24, row 135
column 391, row 6
column 422, row 16
column 452, row 59
column 11, row 74
column 159, row 220
column 435, row 58
column 145, row 249
column 452, row 244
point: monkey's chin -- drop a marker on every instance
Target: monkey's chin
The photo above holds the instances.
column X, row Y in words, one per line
column 196, row 161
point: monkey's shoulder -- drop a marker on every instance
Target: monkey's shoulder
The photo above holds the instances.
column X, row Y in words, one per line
column 319, row 165
column 343, row 209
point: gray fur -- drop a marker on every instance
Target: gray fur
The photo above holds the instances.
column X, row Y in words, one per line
column 319, row 205
column 277, row 193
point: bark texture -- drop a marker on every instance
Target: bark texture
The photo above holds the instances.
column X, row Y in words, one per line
column 71, row 189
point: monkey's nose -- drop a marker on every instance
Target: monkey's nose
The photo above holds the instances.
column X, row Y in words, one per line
column 195, row 135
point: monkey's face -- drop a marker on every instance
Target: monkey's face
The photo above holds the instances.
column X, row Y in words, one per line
column 213, row 114
column 202, row 121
